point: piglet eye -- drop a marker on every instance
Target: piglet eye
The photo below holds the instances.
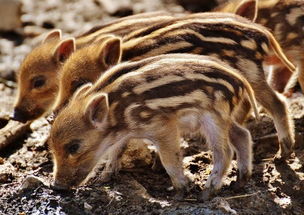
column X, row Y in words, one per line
column 73, row 146
column 38, row 81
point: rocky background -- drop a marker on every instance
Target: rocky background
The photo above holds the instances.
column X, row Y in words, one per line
column 26, row 165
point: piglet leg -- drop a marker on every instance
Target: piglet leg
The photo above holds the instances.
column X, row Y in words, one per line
column 216, row 133
column 168, row 145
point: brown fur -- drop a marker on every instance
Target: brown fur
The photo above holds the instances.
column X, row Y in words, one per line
column 285, row 19
column 42, row 61
column 233, row 39
column 33, row 102
column 100, row 55
column 147, row 101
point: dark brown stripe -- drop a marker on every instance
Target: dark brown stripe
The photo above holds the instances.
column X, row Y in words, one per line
column 178, row 88
column 181, row 88
column 207, row 47
column 184, row 87
column 122, row 20
column 215, row 74
column 119, row 70
column 149, row 30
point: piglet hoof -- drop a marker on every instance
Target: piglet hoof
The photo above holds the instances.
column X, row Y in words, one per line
column 285, row 151
column 105, row 177
column 241, row 181
column 157, row 165
column 283, row 155
column 59, row 187
column 279, row 159
column 179, row 195
column 206, row 194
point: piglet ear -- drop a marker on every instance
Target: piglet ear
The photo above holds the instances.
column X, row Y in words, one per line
column 110, row 53
column 248, row 9
column 64, row 49
column 82, row 89
column 62, row 101
column 97, row 110
column 52, row 35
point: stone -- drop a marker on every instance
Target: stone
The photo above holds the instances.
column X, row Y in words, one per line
column 31, row 182
column 117, row 7
column 10, row 11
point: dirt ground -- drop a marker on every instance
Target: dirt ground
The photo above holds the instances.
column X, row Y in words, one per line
column 275, row 188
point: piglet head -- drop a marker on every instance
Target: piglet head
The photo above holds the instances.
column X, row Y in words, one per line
column 76, row 139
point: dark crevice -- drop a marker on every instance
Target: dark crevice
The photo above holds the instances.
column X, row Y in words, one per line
column 3, row 122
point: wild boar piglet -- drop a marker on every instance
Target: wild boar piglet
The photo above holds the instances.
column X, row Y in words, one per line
column 85, row 66
column 285, row 18
column 151, row 99
column 39, row 72
column 233, row 39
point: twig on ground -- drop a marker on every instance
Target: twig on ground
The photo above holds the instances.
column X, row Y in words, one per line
column 242, row 196
column 12, row 131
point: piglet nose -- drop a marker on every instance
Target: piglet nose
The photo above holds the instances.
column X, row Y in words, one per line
column 19, row 115
column 59, row 187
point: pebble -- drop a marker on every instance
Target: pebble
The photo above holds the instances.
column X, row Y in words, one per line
column 31, row 182
column 117, row 7
column 10, row 11
column 223, row 205
column 87, row 206
column 5, row 178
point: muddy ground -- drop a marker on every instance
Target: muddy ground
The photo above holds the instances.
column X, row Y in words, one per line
column 275, row 188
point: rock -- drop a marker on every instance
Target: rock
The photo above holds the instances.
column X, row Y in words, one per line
column 10, row 58
column 5, row 178
column 10, row 11
column 222, row 204
column 33, row 31
column 87, row 206
column 6, row 58
column 117, row 7
column 31, row 182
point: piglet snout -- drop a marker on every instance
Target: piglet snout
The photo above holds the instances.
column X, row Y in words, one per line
column 59, row 187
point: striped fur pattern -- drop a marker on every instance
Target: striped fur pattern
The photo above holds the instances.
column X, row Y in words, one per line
column 100, row 57
column 151, row 99
column 205, row 33
column 123, row 26
column 285, row 18
column 38, row 74
column 233, row 39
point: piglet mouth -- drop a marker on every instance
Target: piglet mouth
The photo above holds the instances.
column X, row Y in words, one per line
column 20, row 115
column 64, row 185
column 67, row 182
column 25, row 116
column 60, row 187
